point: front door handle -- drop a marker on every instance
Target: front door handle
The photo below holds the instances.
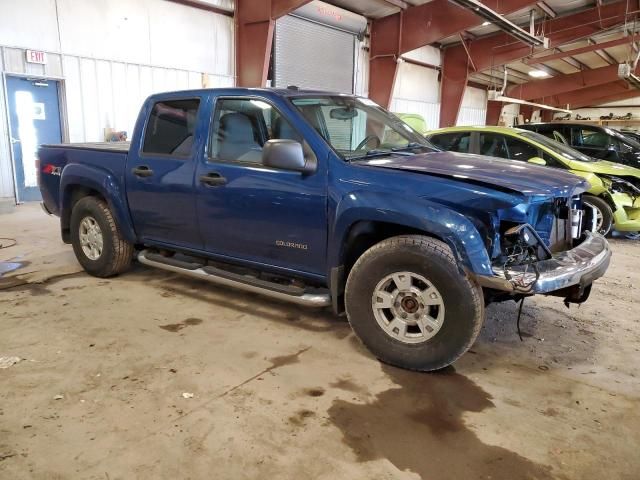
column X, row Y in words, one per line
column 142, row 171
column 213, row 179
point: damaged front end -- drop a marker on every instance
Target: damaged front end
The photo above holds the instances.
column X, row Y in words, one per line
column 560, row 256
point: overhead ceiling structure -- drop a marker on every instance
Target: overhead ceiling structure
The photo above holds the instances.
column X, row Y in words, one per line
column 561, row 53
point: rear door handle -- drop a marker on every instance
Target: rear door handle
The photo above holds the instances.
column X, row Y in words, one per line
column 142, row 171
column 212, row 179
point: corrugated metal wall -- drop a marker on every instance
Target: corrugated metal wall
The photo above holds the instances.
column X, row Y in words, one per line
column 111, row 55
column 417, row 90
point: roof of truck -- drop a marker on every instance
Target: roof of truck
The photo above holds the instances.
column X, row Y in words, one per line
column 284, row 92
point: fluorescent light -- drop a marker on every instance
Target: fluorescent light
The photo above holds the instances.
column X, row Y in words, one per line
column 481, row 10
column 498, row 97
column 538, row 74
column 484, row 24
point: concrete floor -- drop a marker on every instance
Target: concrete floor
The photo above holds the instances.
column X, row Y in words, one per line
column 282, row 392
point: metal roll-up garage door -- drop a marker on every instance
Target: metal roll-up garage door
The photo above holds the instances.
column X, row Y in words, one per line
column 311, row 54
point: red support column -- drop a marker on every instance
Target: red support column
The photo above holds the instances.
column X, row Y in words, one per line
column 383, row 64
column 526, row 111
column 455, row 72
column 547, row 115
column 494, row 109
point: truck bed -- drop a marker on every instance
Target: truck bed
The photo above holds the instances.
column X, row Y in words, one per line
column 99, row 160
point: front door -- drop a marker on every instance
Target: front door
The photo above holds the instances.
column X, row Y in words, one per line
column 263, row 215
column 34, row 119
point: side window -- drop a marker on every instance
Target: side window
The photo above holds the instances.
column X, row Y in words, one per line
column 171, row 127
column 241, row 127
column 452, row 142
column 551, row 162
column 587, row 137
column 493, row 145
column 519, row 150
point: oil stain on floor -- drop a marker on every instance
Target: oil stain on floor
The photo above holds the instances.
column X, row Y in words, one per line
column 419, row 426
column 176, row 327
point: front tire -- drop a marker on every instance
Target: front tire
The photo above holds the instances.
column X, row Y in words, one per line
column 409, row 304
column 97, row 241
column 604, row 214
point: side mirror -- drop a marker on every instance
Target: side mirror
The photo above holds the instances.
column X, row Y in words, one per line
column 537, row 161
column 286, row 155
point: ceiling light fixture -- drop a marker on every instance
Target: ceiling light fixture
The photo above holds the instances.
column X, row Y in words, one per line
column 538, row 74
column 502, row 23
column 497, row 96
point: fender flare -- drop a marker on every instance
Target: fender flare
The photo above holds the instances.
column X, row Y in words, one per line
column 417, row 213
column 103, row 182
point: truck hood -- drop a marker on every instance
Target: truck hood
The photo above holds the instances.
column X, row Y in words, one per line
column 515, row 176
column 606, row 168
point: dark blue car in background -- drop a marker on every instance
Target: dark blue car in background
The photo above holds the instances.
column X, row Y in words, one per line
column 326, row 200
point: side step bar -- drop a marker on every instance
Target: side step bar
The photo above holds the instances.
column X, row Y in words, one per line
column 286, row 293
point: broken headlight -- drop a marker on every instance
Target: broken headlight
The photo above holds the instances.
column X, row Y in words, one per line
column 620, row 185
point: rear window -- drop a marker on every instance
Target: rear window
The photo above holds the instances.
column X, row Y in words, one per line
column 171, row 128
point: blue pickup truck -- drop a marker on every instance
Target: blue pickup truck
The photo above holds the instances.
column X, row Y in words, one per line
column 323, row 200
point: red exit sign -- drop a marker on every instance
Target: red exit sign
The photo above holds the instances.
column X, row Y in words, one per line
column 35, row 56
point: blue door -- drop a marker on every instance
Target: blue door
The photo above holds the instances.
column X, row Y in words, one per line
column 264, row 215
column 34, row 119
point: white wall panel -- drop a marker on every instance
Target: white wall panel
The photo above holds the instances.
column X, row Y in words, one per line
column 29, row 23
column 112, row 54
column 108, row 29
column 430, row 55
column 89, row 92
column 429, row 111
column 417, row 90
column 6, row 171
column 73, row 87
column 473, row 110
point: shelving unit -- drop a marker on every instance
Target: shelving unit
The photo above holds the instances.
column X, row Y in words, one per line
column 634, row 122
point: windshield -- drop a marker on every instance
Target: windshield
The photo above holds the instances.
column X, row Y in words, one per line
column 563, row 150
column 357, row 127
column 629, row 140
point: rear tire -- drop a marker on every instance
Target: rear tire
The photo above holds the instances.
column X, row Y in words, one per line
column 97, row 241
column 604, row 213
column 409, row 304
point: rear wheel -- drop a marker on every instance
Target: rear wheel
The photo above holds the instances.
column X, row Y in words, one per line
column 97, row 242
column 604, row 214
column 409, row 304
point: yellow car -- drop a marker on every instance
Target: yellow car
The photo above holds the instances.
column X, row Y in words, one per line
column 615, row 188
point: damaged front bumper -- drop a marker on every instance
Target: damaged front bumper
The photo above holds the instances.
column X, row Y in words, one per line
column 568, row 273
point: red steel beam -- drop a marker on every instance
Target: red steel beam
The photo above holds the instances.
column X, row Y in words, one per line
column 416, row 27
column 500, row 49
column 455, row 70
column 254, row 22
column 607, row 99
column 494, row 109
column 578, row 51
column 549, row 87
column 586, row 96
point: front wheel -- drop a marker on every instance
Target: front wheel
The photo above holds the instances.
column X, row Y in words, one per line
column 409, row 304
column 97, row 241
column 604, row 214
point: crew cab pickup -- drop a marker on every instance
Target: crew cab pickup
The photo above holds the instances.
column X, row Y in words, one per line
column 323, row 200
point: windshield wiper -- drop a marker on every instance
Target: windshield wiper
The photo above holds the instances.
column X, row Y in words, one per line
column 409, row 146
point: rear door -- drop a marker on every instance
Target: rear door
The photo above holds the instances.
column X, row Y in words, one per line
column 160, row 173
column 253, row 213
